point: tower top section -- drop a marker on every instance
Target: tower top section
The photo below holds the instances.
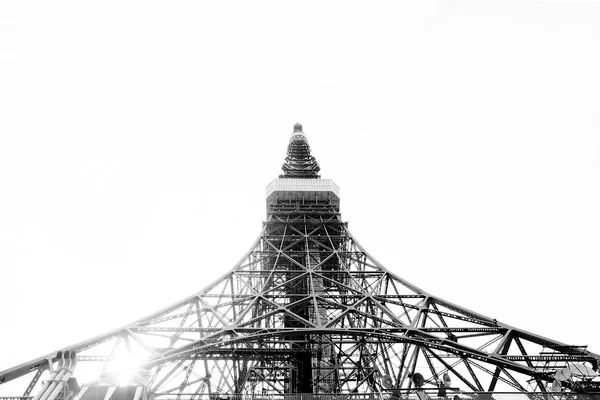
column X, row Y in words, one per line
column 299, row 163
column 300, row 181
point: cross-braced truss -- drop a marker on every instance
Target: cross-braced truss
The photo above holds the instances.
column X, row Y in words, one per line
column 308, row 310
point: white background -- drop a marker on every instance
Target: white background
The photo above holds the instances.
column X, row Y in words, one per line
column 136, row 139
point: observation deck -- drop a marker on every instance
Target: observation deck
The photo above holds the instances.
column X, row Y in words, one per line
column 310, row 190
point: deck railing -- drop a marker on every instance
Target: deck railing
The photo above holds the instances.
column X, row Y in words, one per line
column 368, row 396
column 387, row 396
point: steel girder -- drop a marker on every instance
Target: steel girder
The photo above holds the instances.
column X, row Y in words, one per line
column 309, row 310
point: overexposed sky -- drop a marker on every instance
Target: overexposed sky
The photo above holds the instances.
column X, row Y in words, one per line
column 136, row 139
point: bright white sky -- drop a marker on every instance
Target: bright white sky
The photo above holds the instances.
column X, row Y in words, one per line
column 136, row 139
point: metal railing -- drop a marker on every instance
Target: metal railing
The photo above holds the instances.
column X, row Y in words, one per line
column 16, row 397
column 385, row 396
column 368, row 396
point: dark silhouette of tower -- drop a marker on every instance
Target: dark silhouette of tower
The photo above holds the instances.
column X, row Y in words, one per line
column 308, row 310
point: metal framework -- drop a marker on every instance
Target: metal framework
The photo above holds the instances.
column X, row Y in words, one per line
column 308, row 310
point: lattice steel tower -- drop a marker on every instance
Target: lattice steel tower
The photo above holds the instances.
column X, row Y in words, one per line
column 308, row 310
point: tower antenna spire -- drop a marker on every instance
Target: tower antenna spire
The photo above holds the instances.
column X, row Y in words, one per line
column 299, row 162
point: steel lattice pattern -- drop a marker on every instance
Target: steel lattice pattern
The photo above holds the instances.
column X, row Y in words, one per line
column 308, row 310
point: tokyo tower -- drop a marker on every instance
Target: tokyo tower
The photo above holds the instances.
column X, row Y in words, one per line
column 308, row 313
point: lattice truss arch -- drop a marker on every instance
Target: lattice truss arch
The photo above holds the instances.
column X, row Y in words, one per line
column 308, row 304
